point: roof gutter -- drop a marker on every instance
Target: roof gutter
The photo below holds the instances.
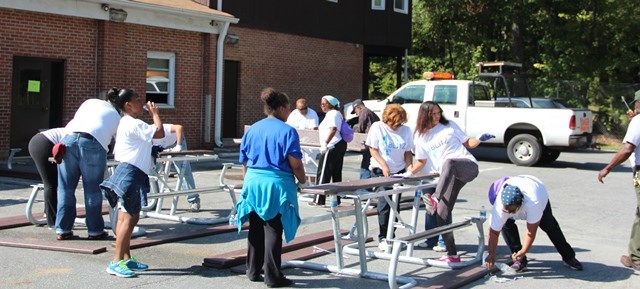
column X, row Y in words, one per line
column 219, row 71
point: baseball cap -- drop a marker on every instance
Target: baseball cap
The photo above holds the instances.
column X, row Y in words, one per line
column 354, row 104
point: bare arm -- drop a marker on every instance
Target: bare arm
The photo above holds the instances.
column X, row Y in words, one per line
column 529, row 237
column 332, row 133
column 154, row 111
column 298, row 169
column 384, row 167
column 490, row 260
column 179, row 131
column 621, row 156
column 417, row 166
column 408, row 159
column 472, row 142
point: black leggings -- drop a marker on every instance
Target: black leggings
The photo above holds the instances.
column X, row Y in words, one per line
column 332, row 168
column 40, row 151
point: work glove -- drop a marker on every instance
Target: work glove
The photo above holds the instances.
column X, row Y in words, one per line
column 407, row 174
column 323, row 148
column 176, row 148
column 485, row 137
column 301, row 186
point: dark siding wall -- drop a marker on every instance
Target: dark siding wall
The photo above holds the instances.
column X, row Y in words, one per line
column 348, row 20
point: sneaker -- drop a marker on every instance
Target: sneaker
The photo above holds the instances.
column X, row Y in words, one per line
column 573, row 264
column 110, row 196
column 424, row 245
column 430, row 204
column 439, row 248
column 314, row 204
column 194, row 207
column 383, row 245
column 135, row 265
column 450, row 259
column 519, row 265
column 102, row 236
column 65, row 236
column 627, row 262
column 120, row 269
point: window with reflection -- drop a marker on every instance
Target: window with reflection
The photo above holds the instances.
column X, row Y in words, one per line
column 160, row 78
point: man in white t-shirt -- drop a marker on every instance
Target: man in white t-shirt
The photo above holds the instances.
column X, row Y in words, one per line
column 524, row 197
column 303, row 117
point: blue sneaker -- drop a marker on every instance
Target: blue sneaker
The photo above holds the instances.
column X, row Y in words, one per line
column 135, row 265
column 120, row 269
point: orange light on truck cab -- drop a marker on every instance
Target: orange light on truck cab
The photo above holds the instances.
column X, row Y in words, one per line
column 436, row 75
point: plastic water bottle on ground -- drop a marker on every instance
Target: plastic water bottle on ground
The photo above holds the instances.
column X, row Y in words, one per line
column 483, row 213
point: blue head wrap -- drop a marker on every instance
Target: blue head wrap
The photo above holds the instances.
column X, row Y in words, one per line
column 332, row 100
column 511, row 195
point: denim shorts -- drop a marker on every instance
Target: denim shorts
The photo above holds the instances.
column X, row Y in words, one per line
column 131, row 185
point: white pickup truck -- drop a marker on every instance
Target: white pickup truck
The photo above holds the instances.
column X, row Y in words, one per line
column 531, row 135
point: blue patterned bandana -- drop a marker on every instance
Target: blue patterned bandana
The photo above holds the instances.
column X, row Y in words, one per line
column 511, row 195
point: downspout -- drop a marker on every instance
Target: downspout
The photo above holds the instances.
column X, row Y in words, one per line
column 219, row 66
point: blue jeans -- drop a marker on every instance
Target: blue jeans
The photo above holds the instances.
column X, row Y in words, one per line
column 84, row 158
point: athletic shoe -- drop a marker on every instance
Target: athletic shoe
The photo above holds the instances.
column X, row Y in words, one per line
column 135, row 265
column 627, row 262
column 450, row 259
column 430, row 204
column 424, row 245
column 519, row 265
column 438, row 248
column 383, row 245
column 120, row 269
column 573, row 264
column 194, row 207
column 102, row 236
column 65, row 236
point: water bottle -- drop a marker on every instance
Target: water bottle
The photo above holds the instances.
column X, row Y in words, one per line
column 483, row 213
column 232, row 220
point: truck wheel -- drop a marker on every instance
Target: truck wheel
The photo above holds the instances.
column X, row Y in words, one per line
column 524, row 150
column 549, row 155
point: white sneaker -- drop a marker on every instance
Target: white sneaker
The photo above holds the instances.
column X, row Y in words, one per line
column 437, row 248
column 423, row 245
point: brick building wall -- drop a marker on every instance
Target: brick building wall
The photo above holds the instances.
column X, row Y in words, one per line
column 299, row 66
column 103, row 54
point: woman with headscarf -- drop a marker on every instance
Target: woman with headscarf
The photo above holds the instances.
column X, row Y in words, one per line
column 332, row 147
column 271, row 161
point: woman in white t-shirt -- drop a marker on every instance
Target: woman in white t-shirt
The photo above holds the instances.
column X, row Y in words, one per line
column 445, row 145
column 332, row 147
column 390, row 143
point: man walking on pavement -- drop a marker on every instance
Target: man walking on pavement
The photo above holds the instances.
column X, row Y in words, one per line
column 631, row 145
column 366, row 117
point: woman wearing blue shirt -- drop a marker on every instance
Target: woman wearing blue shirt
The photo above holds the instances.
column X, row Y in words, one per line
column 271, row 157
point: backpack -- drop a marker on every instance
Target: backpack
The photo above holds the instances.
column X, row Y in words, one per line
column 346, row 132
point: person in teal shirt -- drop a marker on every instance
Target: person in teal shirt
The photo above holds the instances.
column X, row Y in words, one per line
column 271, row 160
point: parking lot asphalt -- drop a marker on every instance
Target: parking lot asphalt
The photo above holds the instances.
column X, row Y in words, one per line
column 596, row 220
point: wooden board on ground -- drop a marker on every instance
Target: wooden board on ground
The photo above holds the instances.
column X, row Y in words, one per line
column 233, row 258
column 21, row 220
column 303, row 254
column 454, row 278
column 70, row 246
column 168, row 236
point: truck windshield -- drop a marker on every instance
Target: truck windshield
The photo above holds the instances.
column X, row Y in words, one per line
column 409, row 94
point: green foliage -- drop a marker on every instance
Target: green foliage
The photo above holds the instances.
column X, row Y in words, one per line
column 586, row 52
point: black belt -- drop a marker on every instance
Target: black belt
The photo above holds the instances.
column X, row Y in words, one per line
column 84, row 135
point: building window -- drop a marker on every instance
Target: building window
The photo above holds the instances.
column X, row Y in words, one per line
column 161, row 78
column 401, row 6
column 377, row 4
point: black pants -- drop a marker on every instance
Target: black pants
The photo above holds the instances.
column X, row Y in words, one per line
column 383, row 208
column 40, row 151
column 549, row 225
column 265, row 249
column 332, row 168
